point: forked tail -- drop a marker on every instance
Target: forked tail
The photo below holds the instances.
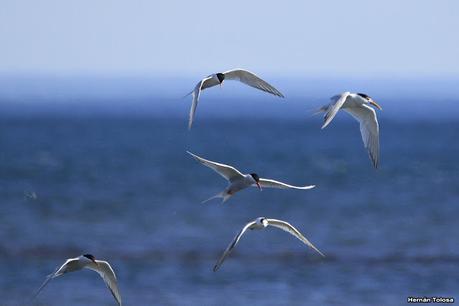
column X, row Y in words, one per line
column 318, row 111
column 43, row 285
column 191, row 92
column 224, row 194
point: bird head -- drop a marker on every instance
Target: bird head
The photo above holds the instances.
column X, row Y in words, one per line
column 90, row 257
column 220, row 77
column 256, row 178
column 369, row 100
column 262, row 221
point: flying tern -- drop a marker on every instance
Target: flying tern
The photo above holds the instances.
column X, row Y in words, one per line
column 215, row 79
column 87, row 261
column 261, row 223
column 239, row 181
column 358, row 105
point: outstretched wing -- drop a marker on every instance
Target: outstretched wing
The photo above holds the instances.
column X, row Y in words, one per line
column 108, row 275
column 228, row 172
column 232, row 245
column 252, row 80
column 68, row 266
column 334, row 107
column 285, row 226
column 196, row 93
column 268, row 183
column 369, row 128
column 194, row 103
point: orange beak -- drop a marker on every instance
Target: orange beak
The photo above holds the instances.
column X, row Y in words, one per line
column 375, row 105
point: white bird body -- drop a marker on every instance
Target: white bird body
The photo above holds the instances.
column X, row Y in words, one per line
column 238, row 181
column 88, row 261
column 241, row 183
column 357, row 105
column 215, row 79
column 262, row 223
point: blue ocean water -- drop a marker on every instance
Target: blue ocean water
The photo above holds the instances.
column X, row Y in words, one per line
column 125, row 190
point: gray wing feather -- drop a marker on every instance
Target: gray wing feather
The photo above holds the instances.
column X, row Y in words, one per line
column 252, row 80
column 68, row 266
column 196, row 93
column 268, row 183
column 333, row 108
column 209, row 82
column 232, row 245
column 369, row 128
column 285, row 226
column 228, row 172
column 108, row 275
column 194, row 103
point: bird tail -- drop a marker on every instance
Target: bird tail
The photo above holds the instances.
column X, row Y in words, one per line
column 224, row 195
column 318, row 111
column 43, row 285
column 184, row 96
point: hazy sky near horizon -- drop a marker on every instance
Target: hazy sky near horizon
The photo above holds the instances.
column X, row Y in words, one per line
column 389, row 38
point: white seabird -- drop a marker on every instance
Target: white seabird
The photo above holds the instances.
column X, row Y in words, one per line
column 261, row 223
column 88, row 261
column 358, row 105
column 215, row 79
column 239, row 181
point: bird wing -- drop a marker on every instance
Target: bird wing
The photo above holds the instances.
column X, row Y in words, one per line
column 252, row 80
column 59, row 271
column 196, row 93
column 285, row 226
column 333, row 108
column 369, row 128
column 232, row 245
column 194, row 103
column 209, row 81
column 228, row 172
column 268, row 183
column 108, row 275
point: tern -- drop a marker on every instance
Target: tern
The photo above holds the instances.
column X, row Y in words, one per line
column 261, row 223
column 239, row 181
column 358, row 105
column 88, row 261
column 215, row 79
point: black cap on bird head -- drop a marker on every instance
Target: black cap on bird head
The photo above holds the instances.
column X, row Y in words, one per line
column 220, row 77
column 366, row 97
column 255, row 177
column 90, row 257
column 370, row 100
column 262, row 221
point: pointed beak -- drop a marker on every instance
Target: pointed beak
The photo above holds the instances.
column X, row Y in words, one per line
column 258, row 185
column 221, row 84
column 375, row 105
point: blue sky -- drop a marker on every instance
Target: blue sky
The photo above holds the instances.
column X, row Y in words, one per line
column 194, row 38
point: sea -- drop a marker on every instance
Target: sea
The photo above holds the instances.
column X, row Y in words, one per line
column 119, row 184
